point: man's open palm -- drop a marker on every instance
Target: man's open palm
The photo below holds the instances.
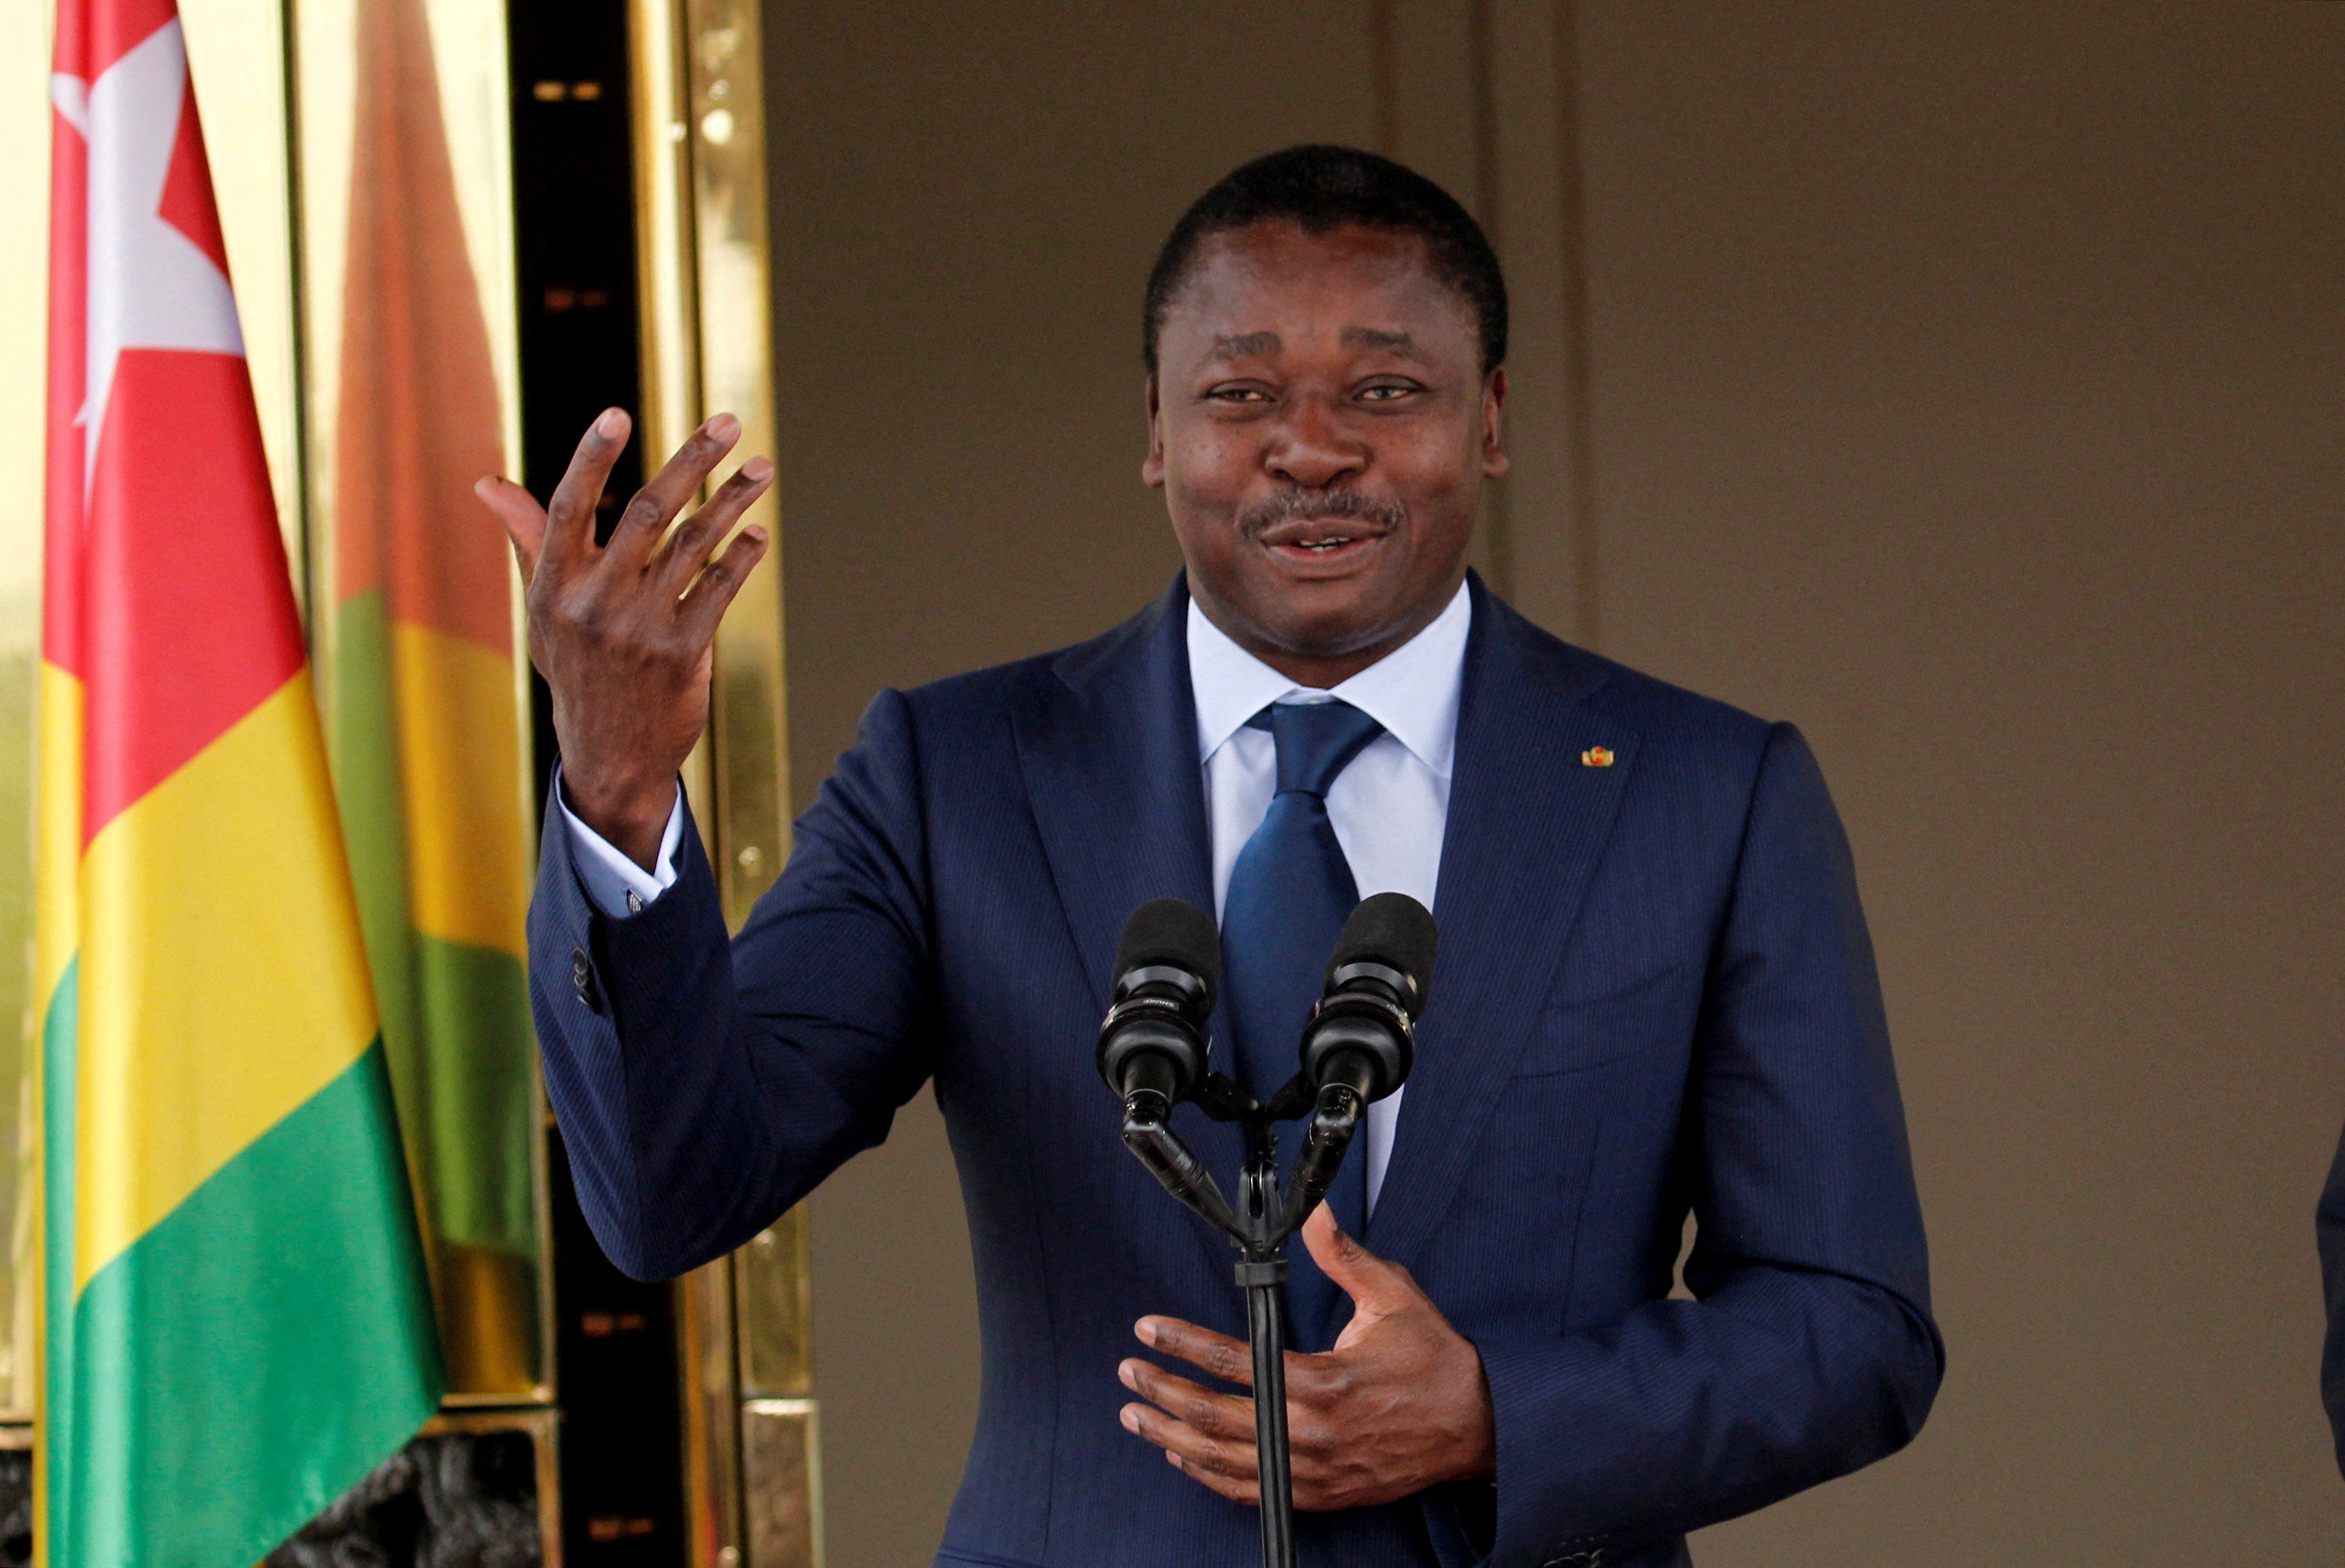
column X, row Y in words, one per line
column 622, row 632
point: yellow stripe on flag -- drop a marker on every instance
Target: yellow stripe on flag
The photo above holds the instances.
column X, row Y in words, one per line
column 222, row 980
column 58, row 863
column 459, row 751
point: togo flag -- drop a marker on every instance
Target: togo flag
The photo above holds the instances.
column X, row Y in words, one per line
column 237, row 1320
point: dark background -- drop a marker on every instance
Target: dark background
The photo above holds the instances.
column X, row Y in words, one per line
column 1965, row 382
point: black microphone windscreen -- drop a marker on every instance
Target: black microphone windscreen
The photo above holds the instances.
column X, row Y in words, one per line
column 1168, row 931
column 1394, row 930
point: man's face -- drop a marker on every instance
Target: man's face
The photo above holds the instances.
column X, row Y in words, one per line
column 1321, row 427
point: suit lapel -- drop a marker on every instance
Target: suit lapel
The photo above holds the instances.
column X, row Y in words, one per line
column 1110, row 758
column 1528, row 823
column 1111, row 767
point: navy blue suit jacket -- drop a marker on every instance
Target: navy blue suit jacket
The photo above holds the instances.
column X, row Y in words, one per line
column 1656, row 994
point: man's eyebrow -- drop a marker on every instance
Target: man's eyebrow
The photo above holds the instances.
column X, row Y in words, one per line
column 1399, row 343
column 1246, row 345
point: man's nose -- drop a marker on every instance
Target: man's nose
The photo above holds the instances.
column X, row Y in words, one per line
column 1311, row 452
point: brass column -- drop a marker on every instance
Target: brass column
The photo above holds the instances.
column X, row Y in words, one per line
column 703, row 241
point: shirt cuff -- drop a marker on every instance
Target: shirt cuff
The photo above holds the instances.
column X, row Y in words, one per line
column 618, row 887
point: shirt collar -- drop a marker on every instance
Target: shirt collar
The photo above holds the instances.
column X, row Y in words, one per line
column 1412, row 691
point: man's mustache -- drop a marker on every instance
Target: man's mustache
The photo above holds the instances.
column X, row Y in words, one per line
column 1299, row 503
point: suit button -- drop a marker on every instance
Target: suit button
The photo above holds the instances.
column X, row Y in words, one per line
column 581, row 980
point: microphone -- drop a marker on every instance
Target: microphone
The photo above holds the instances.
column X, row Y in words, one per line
column 1152, row 1043
column 1153, row 1040
column 1361, row 1041
column 1360, row 1033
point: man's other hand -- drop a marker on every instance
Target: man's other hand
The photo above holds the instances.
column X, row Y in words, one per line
column 1398, row 1405
column 622, row 632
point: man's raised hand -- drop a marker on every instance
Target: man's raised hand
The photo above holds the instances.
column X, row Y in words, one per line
column 622, row 632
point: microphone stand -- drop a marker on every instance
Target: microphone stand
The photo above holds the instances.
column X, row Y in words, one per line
column 1260, row 1225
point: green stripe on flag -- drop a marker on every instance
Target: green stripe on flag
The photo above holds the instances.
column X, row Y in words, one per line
column 455, row 1015
column 60, row 1043
column 260, row 1349
column 480, row 1090
column 365, row 753
column 456, row 1033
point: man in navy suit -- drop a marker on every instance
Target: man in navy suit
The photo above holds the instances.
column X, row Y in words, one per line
column 1656, row 994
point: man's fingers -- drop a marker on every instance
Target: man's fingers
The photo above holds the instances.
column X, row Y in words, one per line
column 705, row 606
column 570, row 519
column 1199, row 1453
column 1227, row 1358
column 656, row 505
column 1226, row 1416
column 1236, row 1489
column 524, row 518
column 686, row 549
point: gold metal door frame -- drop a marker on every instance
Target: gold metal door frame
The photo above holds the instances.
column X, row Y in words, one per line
column 703, row 265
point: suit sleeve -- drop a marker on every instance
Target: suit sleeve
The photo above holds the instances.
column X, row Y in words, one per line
column 1809, row 1350
column 702, row 1084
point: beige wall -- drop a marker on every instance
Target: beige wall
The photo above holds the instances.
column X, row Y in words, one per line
column 1967, row 383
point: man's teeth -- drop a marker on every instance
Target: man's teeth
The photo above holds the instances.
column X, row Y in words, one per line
column 1323, row 543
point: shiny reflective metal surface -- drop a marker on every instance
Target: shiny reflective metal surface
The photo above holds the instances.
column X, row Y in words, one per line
column 426, row 236
column 700, row 164
column 712, row 1428
column 782, row 1453
column 728, row 136
column 24, row 333
column 237, row 56
column 775, row 1307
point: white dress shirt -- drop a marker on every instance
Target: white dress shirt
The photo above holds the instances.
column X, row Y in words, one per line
column 618, row 887
column 1389, row 808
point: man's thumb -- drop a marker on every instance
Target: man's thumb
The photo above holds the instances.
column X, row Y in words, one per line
column 1370, row 1281
column 525, row 521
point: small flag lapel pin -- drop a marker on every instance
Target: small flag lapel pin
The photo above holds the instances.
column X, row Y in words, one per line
column 1596, row 757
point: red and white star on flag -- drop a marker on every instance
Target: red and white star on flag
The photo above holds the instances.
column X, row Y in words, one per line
column 154, row 442
column 156, row 275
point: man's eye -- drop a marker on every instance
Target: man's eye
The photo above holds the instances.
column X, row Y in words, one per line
column 1386, row 391
column 1238, row 395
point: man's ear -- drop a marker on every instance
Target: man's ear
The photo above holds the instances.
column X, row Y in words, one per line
column 1494, row 409
column 1152, row 467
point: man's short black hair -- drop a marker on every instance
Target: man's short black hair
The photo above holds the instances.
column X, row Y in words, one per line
column 1324, row 187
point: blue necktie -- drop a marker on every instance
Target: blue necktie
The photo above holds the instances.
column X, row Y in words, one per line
column 1289, row 895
